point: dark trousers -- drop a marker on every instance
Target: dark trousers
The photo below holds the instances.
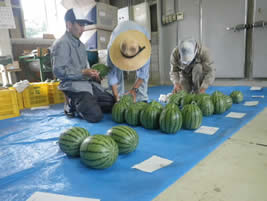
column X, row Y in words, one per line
column 90, row 107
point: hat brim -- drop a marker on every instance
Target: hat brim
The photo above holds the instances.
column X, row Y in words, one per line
column 83, row 22
column 130, row 64
column 187, row 59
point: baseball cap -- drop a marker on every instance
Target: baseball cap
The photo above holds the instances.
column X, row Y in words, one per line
column 187, row 50
column 73, row 15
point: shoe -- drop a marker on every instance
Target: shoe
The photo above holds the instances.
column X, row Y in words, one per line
column 69, row 111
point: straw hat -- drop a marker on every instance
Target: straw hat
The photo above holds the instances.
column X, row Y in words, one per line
column 130, row 50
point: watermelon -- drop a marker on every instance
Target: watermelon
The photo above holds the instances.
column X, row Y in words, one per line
column 206, row 105
column 228, row 102
column 149, row 117
column 237, row 96
column 127, row 99
column 102, row 69
column 177, row 98
column 192, row 116
column 126, row 138
column 170, row 120
column 217, row 93
column 132, row 113
column 188, row 99
column 118, row 110
column 99, row 151
column 71, row 139
column 199, row 97
column 171, row 106
column 219, row 104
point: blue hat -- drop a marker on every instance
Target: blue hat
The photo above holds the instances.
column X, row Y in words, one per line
column 73, row 15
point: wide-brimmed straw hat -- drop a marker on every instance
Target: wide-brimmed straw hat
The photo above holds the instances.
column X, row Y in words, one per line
column 130, row 50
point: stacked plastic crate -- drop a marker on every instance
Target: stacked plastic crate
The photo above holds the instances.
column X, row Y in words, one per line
column 35, row 95
column 9, row 104
column 55, row 96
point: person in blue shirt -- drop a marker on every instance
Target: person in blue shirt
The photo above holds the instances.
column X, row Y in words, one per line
column 129, row 49
column 85, row 97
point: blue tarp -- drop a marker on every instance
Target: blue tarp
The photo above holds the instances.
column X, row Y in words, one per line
column 30, row 158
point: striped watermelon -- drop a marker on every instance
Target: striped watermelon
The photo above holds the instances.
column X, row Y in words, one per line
column 217, row 93
column 132, row 114
column 149, row 117
column 99, row 151
column 171, row 106
column 70, row 141
column 228, row 102
column 118, row 110
column 188, row 99
column 206, row 105
column 192, row 116
column 127, row 99
column 126, row 138
column 199, row 97
column 177, row 98
column 170, row 120
column 237, row 96
column 219, row 104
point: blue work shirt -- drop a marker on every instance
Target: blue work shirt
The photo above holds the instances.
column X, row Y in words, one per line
column 69, row 58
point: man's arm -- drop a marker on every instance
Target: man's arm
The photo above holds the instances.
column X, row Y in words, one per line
column 62, row 63
column 113, row 79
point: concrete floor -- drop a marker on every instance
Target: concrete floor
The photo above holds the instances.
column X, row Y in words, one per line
column 235, row 171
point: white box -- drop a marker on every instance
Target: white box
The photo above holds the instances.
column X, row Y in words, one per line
column 103, row 16
column 123, row 14
column 141, row 15
column 95, row 39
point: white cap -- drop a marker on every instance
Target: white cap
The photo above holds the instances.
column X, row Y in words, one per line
column 187, row 50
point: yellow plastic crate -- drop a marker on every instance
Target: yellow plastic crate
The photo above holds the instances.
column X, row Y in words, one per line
column 9, row 104
column 35, row 95
column 19, row 98
column 55, row 96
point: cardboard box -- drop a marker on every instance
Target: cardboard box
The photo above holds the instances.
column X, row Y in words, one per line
column 96, row 39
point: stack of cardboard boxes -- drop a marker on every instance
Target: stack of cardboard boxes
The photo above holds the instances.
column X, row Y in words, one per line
column 97, row 35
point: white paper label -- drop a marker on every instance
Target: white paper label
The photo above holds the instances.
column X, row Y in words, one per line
column 258, row 96
column 251, row 103
column 152, row 164
column 41, row 196
column 255, row 88
column 236, row 115
column 207, row 130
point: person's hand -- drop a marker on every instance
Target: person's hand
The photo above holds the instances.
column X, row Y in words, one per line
column 202, row 90
column 91, row 73
column 133, row 93
column 117, row 98
column 176, row 88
